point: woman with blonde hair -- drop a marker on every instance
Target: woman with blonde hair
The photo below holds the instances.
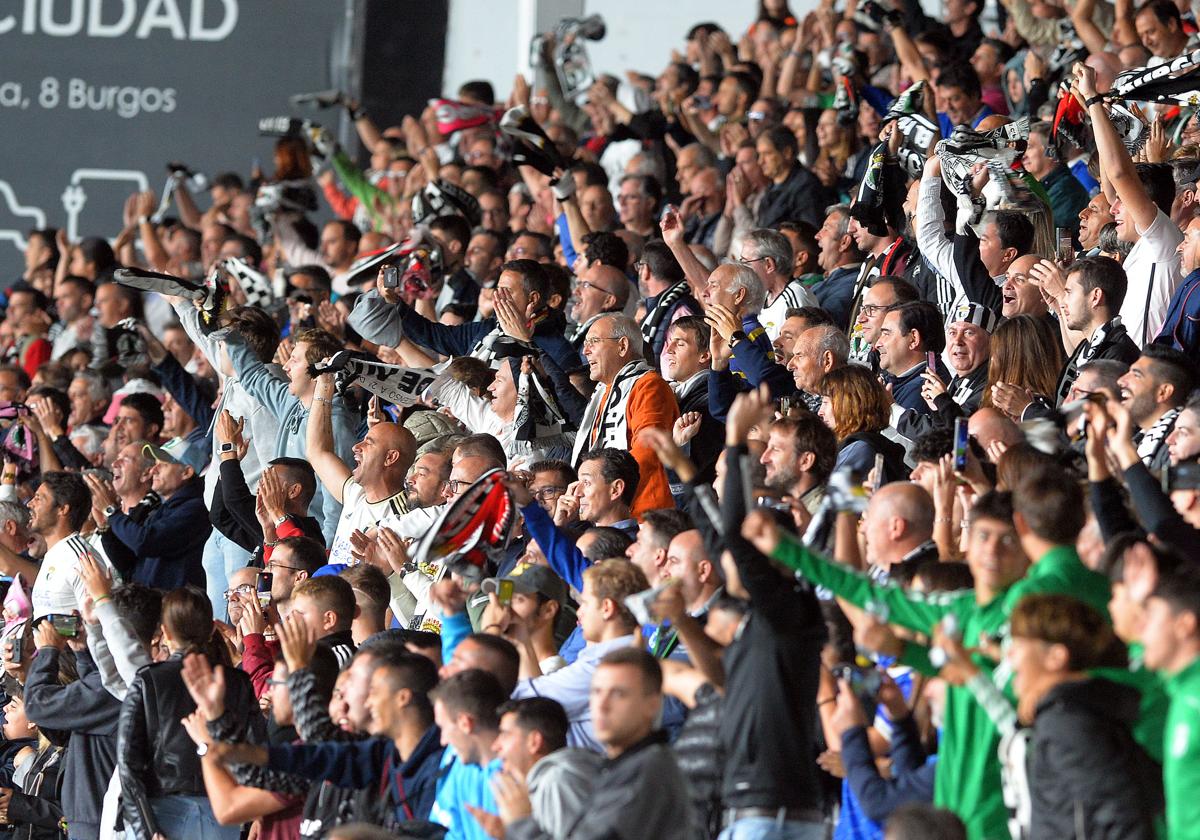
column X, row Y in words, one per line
column 1027, row 357
column 858, row 408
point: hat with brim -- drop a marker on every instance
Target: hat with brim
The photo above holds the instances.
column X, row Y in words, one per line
column 160, row 455
column 530, row 579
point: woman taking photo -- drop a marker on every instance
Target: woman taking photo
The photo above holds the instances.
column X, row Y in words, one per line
column 858, row 408
column 161, row 779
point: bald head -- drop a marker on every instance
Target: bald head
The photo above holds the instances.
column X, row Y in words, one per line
column 382, row 459
column 898, row 519
column 689, row 563
column 987, row 425
column 612, row 279
column 991, row 123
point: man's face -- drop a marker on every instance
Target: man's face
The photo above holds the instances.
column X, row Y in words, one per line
column 634, row 206
column 130, row 473
column 466, row 656
column 111, row 305
column 355, row 690
column 1078, row 303
column 622, row 712
column 751, row 258
column 481, row 152
column 969, row 346
column 1184, row 440
column 788, row 333
column 425, row 482
column 454, row 736
column 716, row 289
column 547, row 487
column 371, row 453
column 129, row 426
column 605, row 354
column 70, row 303
column 512, row 283
column 176, row 421
column 1035, row 158
column 831, row 243
column 336, row 249
column 513, row 746
column 1126, row 228
column 523, row 248
column 1028, row 659
column 20, row 305
column 805, row 364
column 730, row 99
column 780, row 460
column 593, row 293
column 83, row 408
column 493, row 210
column 596, row 205
column 10, row 387
column 309, row 612
column 1161, row 633
column 380, row 704
column 166, row 478
column 43, row 515
column 482, row 258
column 590, row 614
column 685, row 358
column 296, row 368
column 1162, row 40
column 684, row 558
column 1139, row 390
column 1189, row 248
column 991, row 251
column 1019, row 296
column 645, row 553
column 1091, row 219
column 958, row 105
column 241, row 585
column 281, row 701
column 685, row 167
column 987, row 65
column 597, row 497
column 994, row 554
column 896, row 351
column 876, row 300
column 770, row 160
column 746, row 160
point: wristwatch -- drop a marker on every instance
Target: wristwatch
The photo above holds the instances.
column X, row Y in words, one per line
column 202, row 749
column 737, row 337
column 281, row 520
column 227, row 446
column 110, row 511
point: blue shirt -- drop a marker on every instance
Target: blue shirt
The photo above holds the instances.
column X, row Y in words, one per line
column 948, row 127
column 463, row 785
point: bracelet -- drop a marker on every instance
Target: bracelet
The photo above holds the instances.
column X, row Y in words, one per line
column 821, row 703
column 323, row 399
column 270, row 544
column 143, row 220
column 101, row 600
column 944, row 519
column 1094, row 100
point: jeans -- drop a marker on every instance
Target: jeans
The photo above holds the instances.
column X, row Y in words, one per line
column 768, row 828
column 190, row 818
column 222, row 557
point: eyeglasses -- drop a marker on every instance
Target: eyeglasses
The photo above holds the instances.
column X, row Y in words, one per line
column 455, row 485
column 277, row 683
column 585, row 284
column 744, row 261
column 244, row 589
column 275, row 565
column 545, row 494
column 592, row 341
column 638, row 266
column 621, row 199
column 869, row 309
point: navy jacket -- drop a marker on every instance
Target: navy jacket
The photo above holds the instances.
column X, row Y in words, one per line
column 165, row 551
column 407, row 787
column 906, row 389
column 911, row 778
column 834, row 293
column 1181, row 327
column 86, row 710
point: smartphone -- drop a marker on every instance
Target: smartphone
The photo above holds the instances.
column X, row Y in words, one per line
column 16, row 649
column 864, row 685
column 504, row 592
column 64, row 624
column 931, row 361
column 878, row 470
column 391, row 277
column 961, row 442
column 263, row 588
column 1066, row 246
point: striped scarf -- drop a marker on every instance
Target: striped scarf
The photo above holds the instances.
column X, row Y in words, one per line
column 662, row 307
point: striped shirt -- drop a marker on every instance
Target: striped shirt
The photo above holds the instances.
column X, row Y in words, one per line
column 58, row 587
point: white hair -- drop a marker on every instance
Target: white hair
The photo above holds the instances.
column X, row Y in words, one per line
column 624, row 327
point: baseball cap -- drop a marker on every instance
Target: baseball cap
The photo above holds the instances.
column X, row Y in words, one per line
column 160, row 455
column 531, row 578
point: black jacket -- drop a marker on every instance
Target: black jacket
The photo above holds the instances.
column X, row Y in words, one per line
column 87, row 711
column 36, row 810
column 802, row 197
column 1088, row 777
column 1117, row 345
column 769, row 717
column 232, row 511
column 165, row 551
column 708, row 442
column 155, row 755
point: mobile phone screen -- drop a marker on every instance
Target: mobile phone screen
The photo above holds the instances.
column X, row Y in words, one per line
column 961, row 439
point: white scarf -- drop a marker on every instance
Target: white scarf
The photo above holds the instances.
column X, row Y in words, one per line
column 608, row 404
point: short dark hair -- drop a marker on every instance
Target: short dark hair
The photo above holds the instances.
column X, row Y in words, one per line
column 646, row 665
column 994, row 504
column 662, row 263
column 932, row 446
column 616, row 464
column 783, row 141
column 545, row 245
column 606, row 249
column 667, row 524
column 59, row 398
column 23, row 379
column 1105, row 274
column 698, row 327
column 229, row 180
column 1181, row 590
column 1158, row 179
column 141, row 606
column 649, row 186
column 453, row 227
column 482, row 445
column 317, row 272
column 257, row 329
column 746, row 82
column 608, row 543
column 806, row 236
column 408, row 670
column 371, row 582
column 921, row 821
column 147, row 406
column 811, row 434
column 533, row 278
column 816, row 316
column 1014, row 230
column 299, row 471
column 1051, row 505
column 926, row 319
column 349, row 230
column 541, row 715
column 249, row 249
column 478, row 89
column 506, row 661
column 565, row 471
column 1165, row 10
column 904, row 291
column 473, row 692
column 308, row 554
column 961, row 76
column 1172, row 367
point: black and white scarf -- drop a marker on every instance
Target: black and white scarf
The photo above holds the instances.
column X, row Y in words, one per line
column 393, row 383
column 1086, row 352
column 1177, row 80
column 662, row 307
column 1149, row 440
column 604, row 421
column 539, row 415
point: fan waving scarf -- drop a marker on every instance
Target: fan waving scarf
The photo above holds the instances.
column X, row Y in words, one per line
column 473, row 531
column 1177, row 80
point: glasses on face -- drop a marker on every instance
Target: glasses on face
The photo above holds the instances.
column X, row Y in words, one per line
column 594, row 341
column 455, row 485
column 520, row 252
column 871, row 309
column 272, row 564
column 584, row 284
column 545, row 494
column 638, row 266
column 274, row 683
column 244, row 589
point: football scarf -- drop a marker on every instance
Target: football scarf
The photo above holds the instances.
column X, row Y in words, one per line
column 538, row 415
column 530, row 145
column 393, row 383
column 470, row 536
column 213, row 291
column 452, row 115
column 1177, row 80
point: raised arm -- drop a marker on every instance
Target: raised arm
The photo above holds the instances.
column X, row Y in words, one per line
column 693, row 269
column 331, row 469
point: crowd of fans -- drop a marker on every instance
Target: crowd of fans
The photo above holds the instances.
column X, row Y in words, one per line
column 801, row 442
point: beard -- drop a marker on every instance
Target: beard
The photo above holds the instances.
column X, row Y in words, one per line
column 783, row 480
